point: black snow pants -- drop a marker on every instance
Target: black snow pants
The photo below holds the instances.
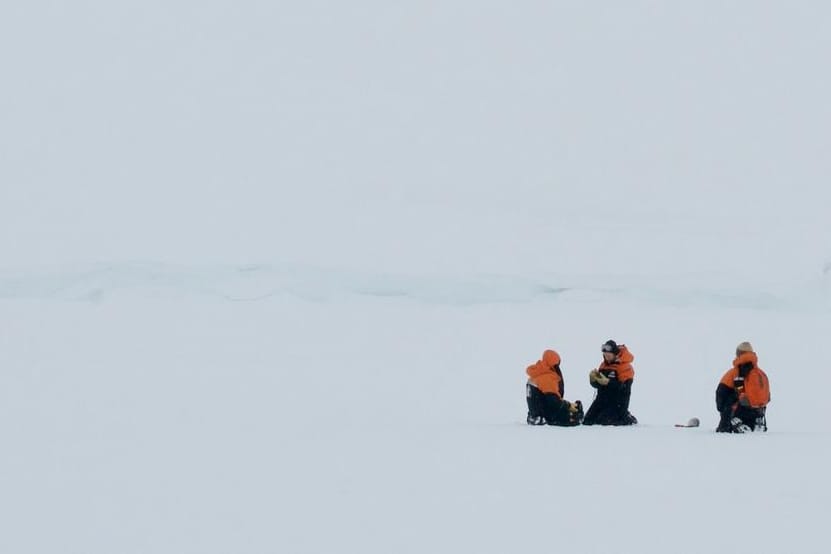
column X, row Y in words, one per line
column 549, row 409
column 611, row 405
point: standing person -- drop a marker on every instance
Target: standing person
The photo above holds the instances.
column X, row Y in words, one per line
column 544, row 394
column 743, row 394
column 613, row 381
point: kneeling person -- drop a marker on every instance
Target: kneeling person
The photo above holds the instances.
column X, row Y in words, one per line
column 544, row 393
column 743, row 394
column 613, row 381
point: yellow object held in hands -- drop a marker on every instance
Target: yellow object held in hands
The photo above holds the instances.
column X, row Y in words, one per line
column 598, row 378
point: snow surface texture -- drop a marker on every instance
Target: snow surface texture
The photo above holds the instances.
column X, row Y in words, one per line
column 334, row 235
column 163, row 419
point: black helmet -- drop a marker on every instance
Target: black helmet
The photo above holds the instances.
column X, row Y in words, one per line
column 610, row 346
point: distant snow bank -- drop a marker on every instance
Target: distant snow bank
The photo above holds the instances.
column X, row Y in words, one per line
column 241, row 283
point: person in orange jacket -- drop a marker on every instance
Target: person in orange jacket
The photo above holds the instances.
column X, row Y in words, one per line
column 544, row 394
column 613, row 380
column 743, row 394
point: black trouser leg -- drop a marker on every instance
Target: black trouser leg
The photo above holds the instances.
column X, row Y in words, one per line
column 593, row 411
column 610, row 406
column 724, row 425
column 533, row 397
column 749, row 416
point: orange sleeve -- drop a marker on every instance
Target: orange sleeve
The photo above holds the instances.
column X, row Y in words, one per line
column 625, row 373
column 727, row 379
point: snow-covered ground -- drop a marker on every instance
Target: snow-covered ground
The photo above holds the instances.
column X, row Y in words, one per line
column 152, row 408
column 271, row 273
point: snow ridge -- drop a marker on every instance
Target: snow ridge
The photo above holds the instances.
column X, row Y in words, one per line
column 259, row 282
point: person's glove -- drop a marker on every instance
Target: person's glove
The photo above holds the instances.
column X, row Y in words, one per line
column 598, row 378
column 744, row 401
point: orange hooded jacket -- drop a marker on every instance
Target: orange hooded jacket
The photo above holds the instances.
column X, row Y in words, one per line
column 622, row 366
column 546, row 374
column 755, row 389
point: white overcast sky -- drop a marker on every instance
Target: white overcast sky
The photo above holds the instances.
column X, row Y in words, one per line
column 498, row 136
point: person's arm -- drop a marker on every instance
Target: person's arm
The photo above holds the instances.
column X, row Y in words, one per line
column 725, row 397
column 615, row 384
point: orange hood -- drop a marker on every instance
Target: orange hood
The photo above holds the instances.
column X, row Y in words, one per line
column 625, row 357
column 545, row 374
column 550, row 358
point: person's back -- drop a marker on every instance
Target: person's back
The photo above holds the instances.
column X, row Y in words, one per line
column 743, row 394
column 544, row 392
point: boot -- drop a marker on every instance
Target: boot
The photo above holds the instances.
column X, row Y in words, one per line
column 761, row 425
column 738, row 426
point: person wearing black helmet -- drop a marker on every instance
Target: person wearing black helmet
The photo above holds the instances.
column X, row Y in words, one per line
column 613, row 381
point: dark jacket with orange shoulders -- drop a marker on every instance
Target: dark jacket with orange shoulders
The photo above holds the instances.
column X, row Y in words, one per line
column 545, row 389
column 611, row 405
column 546, row 374
column 621, row 368
column 744, row 384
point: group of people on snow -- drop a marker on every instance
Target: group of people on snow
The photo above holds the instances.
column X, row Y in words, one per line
column 742, row 394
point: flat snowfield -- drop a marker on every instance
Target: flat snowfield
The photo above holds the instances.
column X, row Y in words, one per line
column 271, row 273
column 139, row 417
